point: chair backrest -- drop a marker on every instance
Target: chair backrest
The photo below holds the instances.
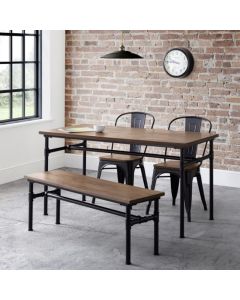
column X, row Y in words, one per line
column 192, row 124
column 136, row 120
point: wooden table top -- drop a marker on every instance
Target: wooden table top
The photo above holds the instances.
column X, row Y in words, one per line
column 148, row 137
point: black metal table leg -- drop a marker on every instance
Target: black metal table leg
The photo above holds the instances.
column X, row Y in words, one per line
column 30, row 207
column 182, row 193
column 156, row 224
column 211, row 181
column 46, row 154
column 84, row 163
column 58, row 208
column 128, row 235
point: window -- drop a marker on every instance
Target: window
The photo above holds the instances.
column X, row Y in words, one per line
column 20, row 75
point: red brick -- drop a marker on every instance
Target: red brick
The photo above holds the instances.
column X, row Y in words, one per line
column 223, row 43
column 98, row 89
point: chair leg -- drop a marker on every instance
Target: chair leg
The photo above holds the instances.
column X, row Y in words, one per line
column 200, row 186
column 120, row 175
column 188, row 197
column 99, row 173
column 129, row 171
column 153, row 184
column 174, row 187
column 144, row 175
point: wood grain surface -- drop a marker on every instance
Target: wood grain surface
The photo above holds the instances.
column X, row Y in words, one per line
column 99, row 188
column 149, row 137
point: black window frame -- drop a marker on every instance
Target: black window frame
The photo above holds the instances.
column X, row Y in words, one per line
column 38, row 76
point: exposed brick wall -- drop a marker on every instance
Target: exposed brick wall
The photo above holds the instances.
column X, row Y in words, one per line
column 98, row 90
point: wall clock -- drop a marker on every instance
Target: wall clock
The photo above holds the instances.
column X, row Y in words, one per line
column 178, row 62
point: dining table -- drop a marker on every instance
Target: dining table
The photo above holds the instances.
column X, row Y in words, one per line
column 158, row 138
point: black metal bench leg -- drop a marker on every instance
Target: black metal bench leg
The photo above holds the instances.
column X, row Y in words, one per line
column 84, row 162
column 156, row 226
column 58, row 208
column 128, row 235
column 30, row 207
column 45, row 203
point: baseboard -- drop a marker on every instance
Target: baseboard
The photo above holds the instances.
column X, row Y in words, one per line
column 19, row 171
column 221, row 177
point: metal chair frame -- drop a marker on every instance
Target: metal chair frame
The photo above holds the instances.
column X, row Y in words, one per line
column 125, row 170
column 190, row 153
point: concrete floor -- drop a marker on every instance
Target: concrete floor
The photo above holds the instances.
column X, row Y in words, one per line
column 90, row 239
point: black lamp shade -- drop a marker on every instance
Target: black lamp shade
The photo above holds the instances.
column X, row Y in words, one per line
column 122, row 54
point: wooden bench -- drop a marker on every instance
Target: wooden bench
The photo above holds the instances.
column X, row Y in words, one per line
column 110, row 191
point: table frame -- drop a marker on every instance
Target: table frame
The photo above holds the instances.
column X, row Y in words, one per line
column 82, row 146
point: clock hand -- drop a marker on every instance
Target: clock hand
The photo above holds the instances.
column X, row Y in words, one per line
column 173, row 61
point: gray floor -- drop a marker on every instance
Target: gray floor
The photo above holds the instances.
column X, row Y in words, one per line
column 89, row 239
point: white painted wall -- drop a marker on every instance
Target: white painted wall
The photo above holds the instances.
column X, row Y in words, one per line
column 21, row 146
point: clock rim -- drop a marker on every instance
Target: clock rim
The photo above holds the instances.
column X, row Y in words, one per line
column 190, row 60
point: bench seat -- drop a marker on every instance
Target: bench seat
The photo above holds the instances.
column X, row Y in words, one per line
column 107, row 190
column 99, row 188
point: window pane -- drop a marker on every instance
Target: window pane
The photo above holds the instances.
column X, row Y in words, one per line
column 4, row 106
column 29, row 48
column 4, row 48
column 17, row 48
column 30, row 104
column 17, row 105
column 17, row 76
column 4, row 77
column 29, row 76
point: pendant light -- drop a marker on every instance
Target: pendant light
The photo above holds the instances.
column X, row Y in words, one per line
column 122, row 53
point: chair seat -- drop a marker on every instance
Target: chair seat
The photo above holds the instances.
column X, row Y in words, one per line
column 175, row 165
column 120, row 158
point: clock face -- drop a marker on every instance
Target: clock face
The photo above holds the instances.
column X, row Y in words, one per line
column 178, row 62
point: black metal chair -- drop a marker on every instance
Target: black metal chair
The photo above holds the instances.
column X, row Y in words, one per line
column 192, row 124
column 126, row 164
